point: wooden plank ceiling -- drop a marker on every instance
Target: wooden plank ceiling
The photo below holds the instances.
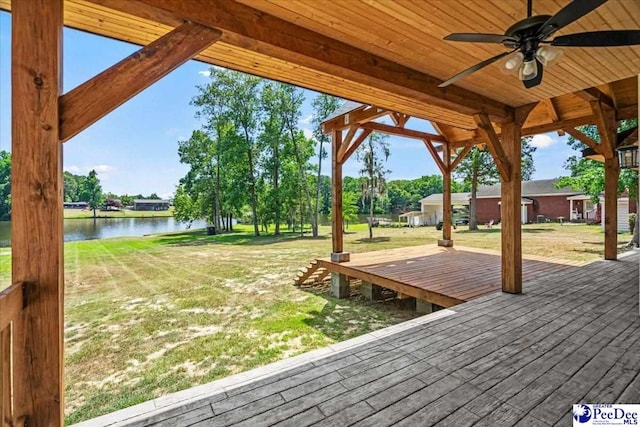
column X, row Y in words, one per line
column 397, row 42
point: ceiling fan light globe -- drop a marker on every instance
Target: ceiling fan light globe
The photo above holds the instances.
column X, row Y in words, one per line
column 513, row 61
column 529, row 70
column 546, row 54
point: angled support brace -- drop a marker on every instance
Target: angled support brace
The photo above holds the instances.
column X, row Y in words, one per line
column 354, row 145
column 347, row 140
column 589, row 142
column 605, row 119
column 97, row 97
column 441, row 165
column 489, row 136
column 460, row 157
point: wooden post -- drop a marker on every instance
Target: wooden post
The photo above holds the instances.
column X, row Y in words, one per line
column 611, row 174
column 446, row 199
column 607, row 128
column 336, row 196
column 511, row 224
column 36, row 217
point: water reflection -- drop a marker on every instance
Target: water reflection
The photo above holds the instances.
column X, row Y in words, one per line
column 102, row 228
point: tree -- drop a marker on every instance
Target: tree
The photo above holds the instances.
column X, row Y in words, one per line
column 373, row 153
column 230, row 104
column 195, row 195
column 91, row 191
column 479, row 168
column 588, row 175
column 301, row 146
column 323, row 105
column 5, row 185
column 273, row 144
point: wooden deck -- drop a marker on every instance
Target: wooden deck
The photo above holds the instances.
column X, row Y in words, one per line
column 442, row 276
column 500, row 360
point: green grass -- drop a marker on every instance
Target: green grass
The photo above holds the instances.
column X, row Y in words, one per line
column 154, row 315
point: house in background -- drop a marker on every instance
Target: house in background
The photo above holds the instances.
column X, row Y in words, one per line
column 76, row 205
column 150, row 205
column 541, row 201
column 431, row 210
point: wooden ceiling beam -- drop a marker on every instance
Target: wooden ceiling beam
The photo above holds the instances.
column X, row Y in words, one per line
column 95, row 98
column 251, row 29
column 358, row 116
column 403, row 119
column 442, row 129
column 408, row 133
column 594, row 94
column 488, row 134
column 586, row 140
column 627, row 112
column 553, row 113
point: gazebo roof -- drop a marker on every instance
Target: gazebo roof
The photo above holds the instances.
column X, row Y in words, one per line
column 392, row 54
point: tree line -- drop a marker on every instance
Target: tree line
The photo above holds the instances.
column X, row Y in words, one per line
column 76, row 188
column 251, row 159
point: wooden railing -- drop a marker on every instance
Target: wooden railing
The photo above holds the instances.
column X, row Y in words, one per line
column 11, row 304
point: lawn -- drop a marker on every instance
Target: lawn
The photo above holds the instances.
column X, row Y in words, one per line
column 150, row 316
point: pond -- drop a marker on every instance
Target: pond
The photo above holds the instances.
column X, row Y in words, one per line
column 101, row 228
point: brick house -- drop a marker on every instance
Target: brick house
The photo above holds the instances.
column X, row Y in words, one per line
column 540, row 200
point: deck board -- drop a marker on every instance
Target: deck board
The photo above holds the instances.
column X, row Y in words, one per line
column 443, row 276
column 572, row 336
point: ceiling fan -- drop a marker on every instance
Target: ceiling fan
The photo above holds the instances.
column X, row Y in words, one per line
column 529, row 48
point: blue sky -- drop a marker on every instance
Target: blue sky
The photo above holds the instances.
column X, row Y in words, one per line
column 134, row 148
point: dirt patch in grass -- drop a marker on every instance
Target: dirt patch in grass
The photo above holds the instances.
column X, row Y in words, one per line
column 150, row 316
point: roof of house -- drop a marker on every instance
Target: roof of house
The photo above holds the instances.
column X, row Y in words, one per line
column 535, row 188
column 456, row 199
column 347, row 107
column 157, row 201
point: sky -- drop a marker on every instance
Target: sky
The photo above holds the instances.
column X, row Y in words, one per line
column 134, row 149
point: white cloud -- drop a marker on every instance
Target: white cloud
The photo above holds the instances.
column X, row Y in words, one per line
column 207, row 73
column 103, row 168
column 104, row 171
column 307, row 120
column 308, row 133
column 542, row 141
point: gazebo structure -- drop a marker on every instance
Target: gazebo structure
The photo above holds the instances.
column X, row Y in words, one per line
column 390, row 56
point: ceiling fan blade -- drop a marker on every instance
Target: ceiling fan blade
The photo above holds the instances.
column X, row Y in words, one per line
column 599, row 39
column 480, row 38
column 571, row 12
column 537, row 80
column 473, row 69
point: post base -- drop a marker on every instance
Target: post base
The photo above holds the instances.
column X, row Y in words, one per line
column 445, row 242
column 370, row 291
column 340, row 256
column 340, row 285
column 424, row 307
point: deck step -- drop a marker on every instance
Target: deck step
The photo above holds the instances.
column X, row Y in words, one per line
column 312, row 273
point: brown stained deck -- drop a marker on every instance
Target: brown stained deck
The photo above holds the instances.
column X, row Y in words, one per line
column 443, row 276
column 500, row 360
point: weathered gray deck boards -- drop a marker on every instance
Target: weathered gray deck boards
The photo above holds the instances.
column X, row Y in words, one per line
column 573, row 336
